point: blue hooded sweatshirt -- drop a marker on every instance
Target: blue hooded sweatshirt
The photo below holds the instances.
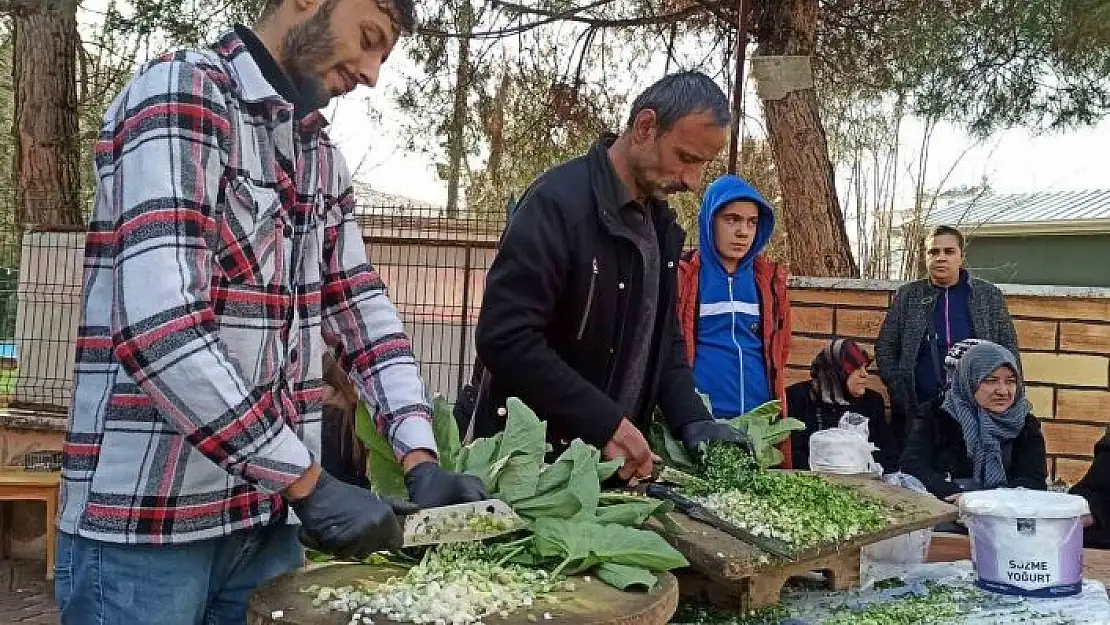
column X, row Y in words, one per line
column 729, row 365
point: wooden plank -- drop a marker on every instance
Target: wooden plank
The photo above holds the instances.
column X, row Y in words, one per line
column 1039, row 335
column 1078, row 405
column 1085, row 337
column 1058, row 308
column 20, row 477
column 1070, row 439
column 591, row 603
column 804, row 348
column 859, row 323
column 813, row 319
column 868, row 299
column 727, row 560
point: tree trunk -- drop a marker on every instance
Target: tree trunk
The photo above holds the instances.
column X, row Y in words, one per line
column 815, row 230
column 455, row 135
column 45, row 125
column 496, row 130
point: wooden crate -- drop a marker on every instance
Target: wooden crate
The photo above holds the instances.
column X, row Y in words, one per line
column 732, row 573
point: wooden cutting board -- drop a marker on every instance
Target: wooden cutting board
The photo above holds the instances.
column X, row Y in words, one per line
column 745, row 576
column 591, row 603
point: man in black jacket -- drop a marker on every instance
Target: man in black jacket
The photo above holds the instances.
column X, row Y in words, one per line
column 578, row 316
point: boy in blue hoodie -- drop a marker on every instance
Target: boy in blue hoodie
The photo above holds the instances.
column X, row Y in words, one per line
column 733, row 303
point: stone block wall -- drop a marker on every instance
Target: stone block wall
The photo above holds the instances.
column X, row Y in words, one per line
column 1063, row 333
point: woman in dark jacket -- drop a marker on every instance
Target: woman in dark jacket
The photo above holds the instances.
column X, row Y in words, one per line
column 983, row 434
column 838, row 384
column 1095, row 488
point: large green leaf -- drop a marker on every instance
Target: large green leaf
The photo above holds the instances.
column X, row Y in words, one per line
column 667, row 447
column 769, row 411
column 523, row 444
column 581, row 545
column 386, row 475
column 479, row 458
column 632, row 514
column 626, row 577
column 779, row 430
column 446, row 430
column 577, row 497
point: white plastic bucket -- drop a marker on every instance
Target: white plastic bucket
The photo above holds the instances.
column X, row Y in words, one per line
column 1026, row 542
column 841, row 451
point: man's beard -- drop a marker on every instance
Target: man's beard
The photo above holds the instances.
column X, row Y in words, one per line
column 655, row 189
column 306, row 48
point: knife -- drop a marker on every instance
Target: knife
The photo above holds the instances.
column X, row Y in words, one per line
column 698, row 512
column 464, row 522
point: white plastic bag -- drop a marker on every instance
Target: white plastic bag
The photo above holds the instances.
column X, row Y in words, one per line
column 907, row 549
column 855, row 422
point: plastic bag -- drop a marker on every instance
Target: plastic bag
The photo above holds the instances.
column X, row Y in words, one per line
column 855, row 422
column 911, row 548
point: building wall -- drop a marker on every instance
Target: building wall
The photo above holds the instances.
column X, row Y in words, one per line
column 1073, row 260
column 1063, row 333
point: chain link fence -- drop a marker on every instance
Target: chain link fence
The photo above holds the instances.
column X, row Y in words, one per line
column 434, row 266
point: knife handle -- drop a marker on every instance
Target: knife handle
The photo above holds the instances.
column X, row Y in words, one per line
column 681, row 502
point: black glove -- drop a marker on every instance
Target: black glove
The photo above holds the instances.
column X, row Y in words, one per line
column 348, row 521
column 697, row 433
column 430, row 486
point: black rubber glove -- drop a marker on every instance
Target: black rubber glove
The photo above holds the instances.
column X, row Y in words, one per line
column 430, row 486
column 697, row 433
column 348, row 521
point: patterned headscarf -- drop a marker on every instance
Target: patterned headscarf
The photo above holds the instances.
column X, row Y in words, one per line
column 831, row 368
column 984, row 432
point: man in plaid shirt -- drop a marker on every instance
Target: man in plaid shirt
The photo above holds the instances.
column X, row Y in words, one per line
column 222, row 255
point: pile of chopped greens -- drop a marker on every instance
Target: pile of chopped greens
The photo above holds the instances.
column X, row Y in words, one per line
column 572, row 527
column 939, row 605
column 452, row 585
column 703, row 613
column 801, row 509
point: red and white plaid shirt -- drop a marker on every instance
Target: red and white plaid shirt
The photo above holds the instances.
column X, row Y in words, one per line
column 222, row 254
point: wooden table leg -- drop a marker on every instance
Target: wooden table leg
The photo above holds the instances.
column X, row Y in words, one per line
column 51, row 511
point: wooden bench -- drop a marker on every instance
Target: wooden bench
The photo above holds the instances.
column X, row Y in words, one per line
column 17, row 484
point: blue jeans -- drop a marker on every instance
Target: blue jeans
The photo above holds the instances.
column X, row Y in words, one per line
column 203, row 583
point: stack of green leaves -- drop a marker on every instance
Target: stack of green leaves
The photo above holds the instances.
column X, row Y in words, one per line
column 573, row 526
column 762, row 424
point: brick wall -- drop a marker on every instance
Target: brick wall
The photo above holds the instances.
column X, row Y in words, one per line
column 1064, row 334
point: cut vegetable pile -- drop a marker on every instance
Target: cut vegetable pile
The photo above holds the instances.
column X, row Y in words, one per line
column 803, row 510
column 572, row 528
column 453, row 585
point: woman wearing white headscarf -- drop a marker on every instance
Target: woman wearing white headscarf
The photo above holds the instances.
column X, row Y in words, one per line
column 983, row 434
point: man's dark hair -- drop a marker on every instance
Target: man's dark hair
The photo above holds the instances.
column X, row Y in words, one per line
column 940, row 231
column 402, row 12
column 677, row 95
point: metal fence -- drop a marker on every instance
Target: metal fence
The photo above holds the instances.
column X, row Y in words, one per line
column 434, row 266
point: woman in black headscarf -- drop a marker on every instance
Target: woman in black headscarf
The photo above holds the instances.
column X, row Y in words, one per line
column 838, row 384
column 983, row 434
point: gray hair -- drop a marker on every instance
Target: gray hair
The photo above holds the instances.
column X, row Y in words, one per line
column 677, row 95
